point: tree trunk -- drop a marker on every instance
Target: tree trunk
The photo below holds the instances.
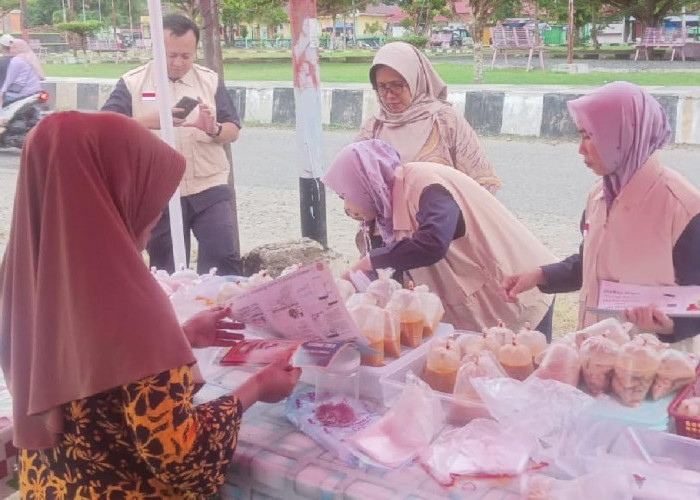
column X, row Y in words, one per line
column 477, row 29
column 71, row 11
column 536, row 27
column 212, row 36
column 23, row 19
column 114, row 21
column 332, row 40
column 595, row 9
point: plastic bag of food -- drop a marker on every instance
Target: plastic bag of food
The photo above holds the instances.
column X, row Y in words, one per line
column 441, row 365
column 561, row 362
column 469, row 343
column 675, row 371
column 650, row 340
column 259, row 278
column 635, row 370
column 689, row 407
column 480, row 448
column 482, row 364
column 406, row 304
column 392, row 334
column 432, row 307
column 360, row 299
column 406, row 429
column 610, row 327
column 532, row 339
column 383, row 287
column 496, row 336
column 516, row 360
column 371, row 323
column 598, row 358
column 345, row 288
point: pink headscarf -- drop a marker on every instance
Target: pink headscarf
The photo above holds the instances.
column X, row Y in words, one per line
column 363, row 174
column 21, row 49
column 626, row 124
column 80, row 312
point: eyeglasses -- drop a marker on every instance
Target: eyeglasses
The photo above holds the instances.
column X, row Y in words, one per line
column 395, row 88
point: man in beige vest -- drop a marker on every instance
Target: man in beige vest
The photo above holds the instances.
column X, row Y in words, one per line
column 200, row 137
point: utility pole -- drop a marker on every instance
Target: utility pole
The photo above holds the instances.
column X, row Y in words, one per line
column 570, row 41
column 307, row 98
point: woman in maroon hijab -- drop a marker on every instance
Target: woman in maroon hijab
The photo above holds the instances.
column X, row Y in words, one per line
column 99, row 369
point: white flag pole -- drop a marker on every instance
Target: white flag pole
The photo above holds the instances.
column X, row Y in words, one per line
column 164, row 99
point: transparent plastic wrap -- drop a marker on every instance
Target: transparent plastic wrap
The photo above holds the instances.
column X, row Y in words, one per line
column 675, row 371
column 407, row 305
column 604, row 485
column 635, row 370
column 383, row 287
column 598, row 358
column 371, row 323
column 496, row 336
column 611, row 328
column 392, row 334
column 516, row 360
column 432, row 308
column 532, row 339
column 482, row 448
column 441, row 365
column 560, row 362
column 469, row 343
column 360, row 299
column 345, row 288
column 476, row 365
column 406, row 429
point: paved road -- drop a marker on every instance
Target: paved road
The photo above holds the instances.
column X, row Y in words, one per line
column 545, row 185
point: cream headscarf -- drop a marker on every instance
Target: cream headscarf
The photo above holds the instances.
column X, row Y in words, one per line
column 408, row 131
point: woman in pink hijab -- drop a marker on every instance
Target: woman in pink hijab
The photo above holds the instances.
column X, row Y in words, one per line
column 101, row 373
column 642, row 220
column 416, row 118
column 20, row 48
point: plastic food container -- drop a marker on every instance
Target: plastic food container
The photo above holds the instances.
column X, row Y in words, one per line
column 341, row 376
column 684, row 425
column 392, row 383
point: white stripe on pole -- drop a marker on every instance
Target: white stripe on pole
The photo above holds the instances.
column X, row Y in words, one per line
column 164, row 98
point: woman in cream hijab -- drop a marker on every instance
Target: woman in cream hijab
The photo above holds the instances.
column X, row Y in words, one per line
column 416, row 118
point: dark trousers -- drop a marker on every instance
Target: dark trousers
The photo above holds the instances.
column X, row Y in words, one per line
column 208, row 216
column 545, row 325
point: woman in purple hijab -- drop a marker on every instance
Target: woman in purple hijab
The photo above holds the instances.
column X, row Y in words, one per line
column 641, row 224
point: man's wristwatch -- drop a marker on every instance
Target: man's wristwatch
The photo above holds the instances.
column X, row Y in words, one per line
column 218, row 131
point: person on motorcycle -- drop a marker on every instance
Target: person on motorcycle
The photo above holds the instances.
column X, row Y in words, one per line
column 21, row 80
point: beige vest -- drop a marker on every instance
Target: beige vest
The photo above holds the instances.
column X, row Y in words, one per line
column 634, row 242
column 496, row 244
column 207, row 165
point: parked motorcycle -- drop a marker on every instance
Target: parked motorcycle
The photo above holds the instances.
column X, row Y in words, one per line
column 18, row 118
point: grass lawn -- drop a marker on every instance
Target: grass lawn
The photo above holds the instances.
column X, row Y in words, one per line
column 339, row 72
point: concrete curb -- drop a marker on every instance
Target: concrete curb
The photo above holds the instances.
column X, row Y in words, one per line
column 530, row 111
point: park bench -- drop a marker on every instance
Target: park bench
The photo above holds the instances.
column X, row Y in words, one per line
column 37, row 48
column 661, row 38
column 505, row 39
column 98, row 46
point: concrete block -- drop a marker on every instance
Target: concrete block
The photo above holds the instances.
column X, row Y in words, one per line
column 370, row 104
column 458, row 100
column 670, row 105
column 275, row 257
column 346, row 110
column 522, row 114
column 688, row 121
column 326, row 105
column 572, row 69
column 66, row 96
column 484, row 111
column 87, row 96
column 556, row 121
column 258, row 105
column 103, row 92
column 238, row 96
column 283, row 107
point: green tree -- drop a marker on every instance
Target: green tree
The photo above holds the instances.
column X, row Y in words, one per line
column 483, row 12
column 41, row 11
column 266, row 12
column 188, row 7
column 81, row 29
column 422, row 12
column 649, row 12
column 373, row 28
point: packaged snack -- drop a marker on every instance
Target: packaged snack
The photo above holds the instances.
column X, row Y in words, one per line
column 481, row 364
column 441, row 366
column 345, row 288
column 392, row 334
column 610, row 327
column 598, row 358
column 561, row 362
column 635, row 370
column 650, row 340
column 532, row 339
column 470, row 343
column 516, row 360
column 371, row 323
column 675, row 371
column 383, row 287
column 689, row 407
column 228, row 291
column 497, row 336
column 432, row 308
column 360, row 299
column 406, row 304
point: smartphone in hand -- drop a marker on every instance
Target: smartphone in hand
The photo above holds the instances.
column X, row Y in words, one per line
column 187, row 104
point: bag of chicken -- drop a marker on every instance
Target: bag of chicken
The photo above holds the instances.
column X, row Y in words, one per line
column 675, row 371
column 560, row 362
column 598, row 358
column 370, row 320
column 635, row 369
column 383, row 287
